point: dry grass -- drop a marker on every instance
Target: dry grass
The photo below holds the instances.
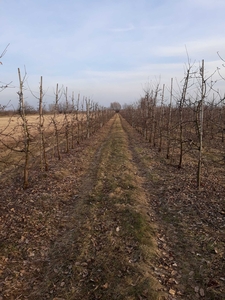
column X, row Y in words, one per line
column 12, row 136
column 13, row 125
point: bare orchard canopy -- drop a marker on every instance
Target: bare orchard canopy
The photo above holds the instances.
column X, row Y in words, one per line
column 116, row 106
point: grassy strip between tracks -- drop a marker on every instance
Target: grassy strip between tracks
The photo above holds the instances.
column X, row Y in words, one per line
column 110, row 253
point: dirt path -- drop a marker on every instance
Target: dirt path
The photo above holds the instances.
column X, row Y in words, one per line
column 109, row 252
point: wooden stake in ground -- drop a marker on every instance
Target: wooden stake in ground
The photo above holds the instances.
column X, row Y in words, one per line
column 200, row 124
column 26, row 132
column 153, row 117
column 88, row 117
column 181, row 106
column 67, row 125
column 169, row 121
column 55, row 122
column 77, row 119
column 43, row 157
column 161, row 119
column 73, row 121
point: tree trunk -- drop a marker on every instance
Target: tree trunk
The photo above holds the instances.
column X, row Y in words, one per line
column 55, row 122
column 88, row 118
column 200, row 125
column 181, row 105
column 169, row 121
column 66, row 122
column 26, row 132
column 160, row 119
column 43, row 156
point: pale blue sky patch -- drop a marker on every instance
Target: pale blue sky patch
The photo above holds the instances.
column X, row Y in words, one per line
column 106, row 49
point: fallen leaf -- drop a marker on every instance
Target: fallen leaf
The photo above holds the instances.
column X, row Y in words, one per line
column 201, row 292
column 172, row 292
column 106, row 285
column 196, row 289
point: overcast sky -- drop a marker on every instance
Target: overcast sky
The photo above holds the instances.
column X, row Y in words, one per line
column 106, row 49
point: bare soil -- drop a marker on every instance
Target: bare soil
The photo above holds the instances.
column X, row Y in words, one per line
column 111, row 220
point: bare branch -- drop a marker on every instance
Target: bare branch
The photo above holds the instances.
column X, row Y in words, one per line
column 4, row 52
column 220, row 56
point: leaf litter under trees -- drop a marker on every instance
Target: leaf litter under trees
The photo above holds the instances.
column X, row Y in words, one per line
column 192, row 223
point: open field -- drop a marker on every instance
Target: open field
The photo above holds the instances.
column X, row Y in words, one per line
column 13, row 138
column 9, row 125
column 112, row 220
